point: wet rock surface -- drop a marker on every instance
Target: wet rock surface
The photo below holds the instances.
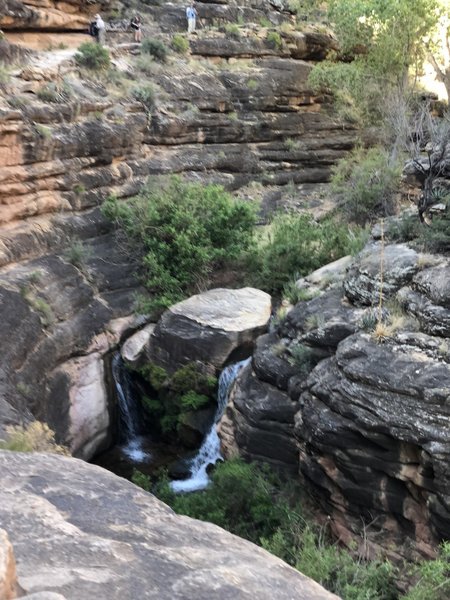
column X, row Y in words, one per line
column 99, row 535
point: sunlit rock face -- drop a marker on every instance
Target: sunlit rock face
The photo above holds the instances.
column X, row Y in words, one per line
column 99, row 535
column 210, row 328
column 48, row 15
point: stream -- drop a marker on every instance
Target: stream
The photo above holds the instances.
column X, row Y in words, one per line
column 136, row 448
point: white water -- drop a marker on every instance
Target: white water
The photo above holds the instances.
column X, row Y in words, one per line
column 209, row 452
column 129, row 414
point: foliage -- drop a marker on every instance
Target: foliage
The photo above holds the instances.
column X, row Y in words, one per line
column 232, row 31
column 251, row 501
column 274, row 40
column 179, row 43
column 146, row 94
column 358, row 94
column 436, row 236
column 303, row 357
column 243, row 498
column 43, row 131
column 173, row 397
column 34, row 437
column 297, row 244
column 77, row 253
column 155, row 375
column 92, row 56
column 155, row 48
column 252, row 84
column 434, row 578
column 390, row 35
column 366, row 183
column 193, row 401
column 53, row 93
column 181, row 232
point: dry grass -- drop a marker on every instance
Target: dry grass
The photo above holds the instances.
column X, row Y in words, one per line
column 34, row 437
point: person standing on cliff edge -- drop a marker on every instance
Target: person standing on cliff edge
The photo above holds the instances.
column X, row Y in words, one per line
column 100, row 29
column 191, row 16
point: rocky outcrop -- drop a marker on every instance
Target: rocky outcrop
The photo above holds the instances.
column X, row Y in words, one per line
column 48, row 15
column 100, row 536
column 210, row 329
column 366, row 408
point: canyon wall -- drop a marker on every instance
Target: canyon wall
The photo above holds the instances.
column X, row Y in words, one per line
column 234, row 111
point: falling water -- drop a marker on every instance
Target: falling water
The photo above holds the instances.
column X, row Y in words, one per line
column 209, row 452
column 130, row 415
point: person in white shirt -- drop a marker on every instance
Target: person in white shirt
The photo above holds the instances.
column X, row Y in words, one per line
column 191, row 16
column 101, row 29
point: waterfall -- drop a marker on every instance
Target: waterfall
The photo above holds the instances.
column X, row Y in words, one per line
column 209, row 452
column 129, row 411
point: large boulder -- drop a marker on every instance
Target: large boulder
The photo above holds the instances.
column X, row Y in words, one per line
column 212, row 328
column 100, row 536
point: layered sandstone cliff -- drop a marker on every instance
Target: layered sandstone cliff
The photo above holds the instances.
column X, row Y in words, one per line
column 235, row 111
column 361, row 411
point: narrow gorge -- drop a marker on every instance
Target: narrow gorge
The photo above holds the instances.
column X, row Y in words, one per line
column 343, row 390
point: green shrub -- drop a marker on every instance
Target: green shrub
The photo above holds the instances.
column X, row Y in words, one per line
column 187, row 390
column 252, row 84
column 264, row 22
column 180, row 44
column 436, row 236
column 303, row 357
column 366, row 184
column 145, row 94
column 357, row 97
column 146, row 64
column 433, row 578
column 274, row 40
column 297, row 244
column 43, row 131
column 77, row 254
column 155, row 48
column 92, row 56
column 251, row 501
column 181, row 232
column 48, row 93
column 232, row 31
column 155, row 375
column 243, row 498
column 193, row 401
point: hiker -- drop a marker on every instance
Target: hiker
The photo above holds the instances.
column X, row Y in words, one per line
column 191, row 16
column 136, row 24
column 100, row 23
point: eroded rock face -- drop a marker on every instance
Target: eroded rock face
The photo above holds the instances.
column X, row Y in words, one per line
column 210, row 328
column 68, row 15
column 100, row 536
column 59, row 161
column 371, row 414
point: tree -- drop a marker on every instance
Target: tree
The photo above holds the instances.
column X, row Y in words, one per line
column 388, row 35
column 438, row 48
